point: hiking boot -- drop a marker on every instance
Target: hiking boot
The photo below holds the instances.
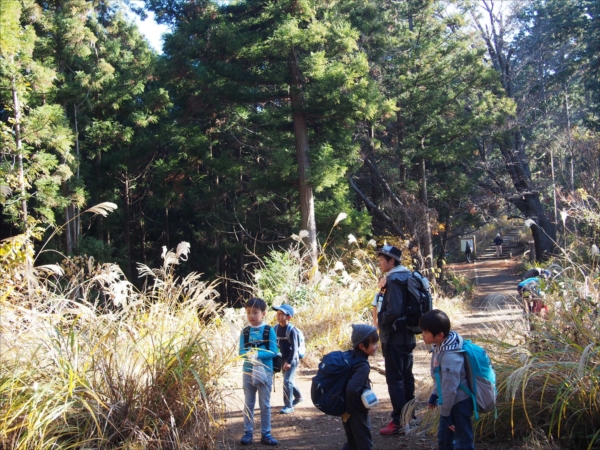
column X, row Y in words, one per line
column 286, row 410
column 297, row 400
column 246, row 439
column 267, row 439
column 390, row 429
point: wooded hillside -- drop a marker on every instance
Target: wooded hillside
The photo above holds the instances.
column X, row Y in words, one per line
column 419, row 119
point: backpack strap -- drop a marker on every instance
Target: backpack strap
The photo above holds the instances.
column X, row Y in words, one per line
column 288, row 333
column 266, row 341
column 246, row 334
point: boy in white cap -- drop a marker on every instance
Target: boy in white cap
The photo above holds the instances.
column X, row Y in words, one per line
column 356, row 419
column 288, row 340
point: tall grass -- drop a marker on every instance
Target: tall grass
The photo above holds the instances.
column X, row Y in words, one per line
column 549, row 373
column 116, row 368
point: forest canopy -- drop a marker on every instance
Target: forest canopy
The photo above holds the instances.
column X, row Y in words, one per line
column 421, row 120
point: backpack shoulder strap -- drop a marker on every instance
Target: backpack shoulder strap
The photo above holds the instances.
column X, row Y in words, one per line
column 266, row 336
column 246, row 333
column 288, row 332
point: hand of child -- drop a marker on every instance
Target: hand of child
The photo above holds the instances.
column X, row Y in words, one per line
column 252, row 356
column 432, row 404
column 447, row 421
column 345, row 417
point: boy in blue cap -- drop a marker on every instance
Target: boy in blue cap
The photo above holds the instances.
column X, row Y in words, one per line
column 288, row 340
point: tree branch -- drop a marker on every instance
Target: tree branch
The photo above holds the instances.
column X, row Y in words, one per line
column 376, row 211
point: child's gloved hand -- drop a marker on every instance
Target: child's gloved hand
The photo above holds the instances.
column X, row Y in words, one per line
column 345, row 417
column 433, row 401
column 252, row 356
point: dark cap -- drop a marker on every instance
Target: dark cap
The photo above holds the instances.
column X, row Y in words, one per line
column 286, row 309
column 391, row 251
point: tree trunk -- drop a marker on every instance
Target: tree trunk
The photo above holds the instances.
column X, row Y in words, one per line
column 307, row 202
column 512, row 146
column 19, row 144
column 424, row 201
column 126, row 227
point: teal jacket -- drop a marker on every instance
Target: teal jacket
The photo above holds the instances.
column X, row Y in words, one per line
column 265, row 353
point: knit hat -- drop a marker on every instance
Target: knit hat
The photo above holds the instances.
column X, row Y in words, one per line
column 391, row 251
column 360, row 332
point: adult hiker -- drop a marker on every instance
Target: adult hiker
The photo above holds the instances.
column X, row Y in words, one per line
column 397, row 342
column 498, row 241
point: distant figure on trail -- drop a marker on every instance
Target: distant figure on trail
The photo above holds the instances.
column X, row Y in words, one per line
column 498, row 241
column 536, row 272
column 468, row 252
column 417, row 259
column 532, row 296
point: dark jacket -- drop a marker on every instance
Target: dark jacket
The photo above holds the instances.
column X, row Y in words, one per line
column 288, row 348
column 358, row 382
column 394, row 307
column 498, row 241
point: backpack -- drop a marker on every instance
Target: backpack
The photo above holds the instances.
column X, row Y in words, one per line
column 481, row 378
column 418, row 301
column 328, row 388
column 265, row 340
column 301, row 340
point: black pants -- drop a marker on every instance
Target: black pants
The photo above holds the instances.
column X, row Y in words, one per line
column 399, row 378
column 358, row 432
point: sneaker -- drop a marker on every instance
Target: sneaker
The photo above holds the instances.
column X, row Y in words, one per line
column 267, row 439
column 286, row 410
column 297, row 400
column 390, row 429
column 246, row 439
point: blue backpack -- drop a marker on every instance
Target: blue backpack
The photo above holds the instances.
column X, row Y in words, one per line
column 481, row 378
column 328, row 389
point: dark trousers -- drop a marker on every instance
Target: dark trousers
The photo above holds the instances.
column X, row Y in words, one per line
column 358, row 432
column 399, row 378
column 462, row 438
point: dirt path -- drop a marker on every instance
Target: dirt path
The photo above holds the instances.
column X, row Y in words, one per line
column 308, row 428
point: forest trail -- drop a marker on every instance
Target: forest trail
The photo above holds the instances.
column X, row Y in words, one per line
column 307, row 428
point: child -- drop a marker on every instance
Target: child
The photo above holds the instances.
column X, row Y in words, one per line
column 455, row 430
column 257, row 352
column 289, row 342
column 468, row 252
column 356, row 419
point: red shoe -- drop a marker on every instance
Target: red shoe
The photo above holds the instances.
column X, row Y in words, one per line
column 390, row 429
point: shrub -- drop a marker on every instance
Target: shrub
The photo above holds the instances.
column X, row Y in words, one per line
column 142, row 370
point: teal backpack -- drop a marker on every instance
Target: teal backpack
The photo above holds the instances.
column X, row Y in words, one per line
column 481, row 379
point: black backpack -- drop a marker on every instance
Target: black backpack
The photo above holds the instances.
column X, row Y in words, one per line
column 417, row 302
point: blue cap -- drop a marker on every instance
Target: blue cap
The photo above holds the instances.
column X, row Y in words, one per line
column 286, row 309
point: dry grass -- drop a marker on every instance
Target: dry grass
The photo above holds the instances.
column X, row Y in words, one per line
column 116, row 368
